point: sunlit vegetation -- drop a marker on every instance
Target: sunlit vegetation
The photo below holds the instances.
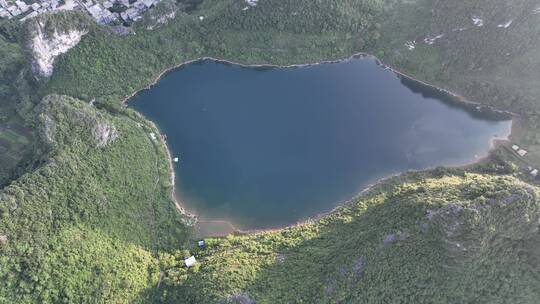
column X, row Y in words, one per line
column 92, row 220
column 450, row 238
column 59, row 222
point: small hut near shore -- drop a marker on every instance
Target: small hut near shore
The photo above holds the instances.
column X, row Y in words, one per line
column 190, row 261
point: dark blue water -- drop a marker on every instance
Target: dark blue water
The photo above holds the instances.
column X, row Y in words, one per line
column 269, row 147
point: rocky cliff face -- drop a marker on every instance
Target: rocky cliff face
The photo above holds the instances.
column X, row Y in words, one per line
column 46, row 45
column 104, row 134
column 90, row 126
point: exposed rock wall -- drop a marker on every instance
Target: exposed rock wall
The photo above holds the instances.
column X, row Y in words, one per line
column 46, row 45
column 104, row 134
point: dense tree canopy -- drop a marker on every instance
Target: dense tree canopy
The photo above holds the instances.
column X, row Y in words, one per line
column 88, row 218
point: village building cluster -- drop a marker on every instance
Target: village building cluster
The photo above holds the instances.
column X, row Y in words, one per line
column 104, row 12
column 522, row 152
column 27, row 9
column 190, row 261
column 519, row 151
column 125, row 11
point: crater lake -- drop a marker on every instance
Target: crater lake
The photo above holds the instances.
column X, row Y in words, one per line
column 268, row 147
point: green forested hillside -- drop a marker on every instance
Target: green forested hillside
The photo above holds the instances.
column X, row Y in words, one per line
column 263, row 34
column 85, row 226
column 92, row 220
column 488, row 64
column 444, row 238
column 15, row 137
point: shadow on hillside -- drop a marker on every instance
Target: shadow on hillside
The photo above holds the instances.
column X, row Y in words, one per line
column 390, row 252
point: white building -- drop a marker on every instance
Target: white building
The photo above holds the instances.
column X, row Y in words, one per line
column 132, row 13
column 252, row 2
column 190, row 261
column 522, row 152
column 515, row 147
column 22, row 6
column 107, row 4
column 534, row 172
column 29, row 16
column 4, row 13
column 103, row 12
column 148, row 3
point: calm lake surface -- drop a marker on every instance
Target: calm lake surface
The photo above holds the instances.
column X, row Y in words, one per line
column 268, row 147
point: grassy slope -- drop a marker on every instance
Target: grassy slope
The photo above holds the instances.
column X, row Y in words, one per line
column 96, row 214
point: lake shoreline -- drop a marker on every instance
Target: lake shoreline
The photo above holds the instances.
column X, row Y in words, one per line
column 363, row 192
column 456, row 98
